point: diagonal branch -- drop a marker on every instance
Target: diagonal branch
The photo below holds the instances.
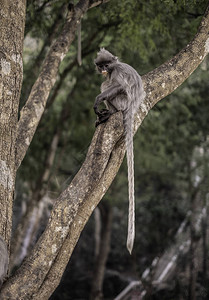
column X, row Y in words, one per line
column 42, row 270
column 94, row 3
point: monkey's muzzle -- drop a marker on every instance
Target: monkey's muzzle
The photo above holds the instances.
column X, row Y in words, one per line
column 104, row 72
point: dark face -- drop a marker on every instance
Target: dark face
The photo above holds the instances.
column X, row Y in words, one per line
column 103, row 67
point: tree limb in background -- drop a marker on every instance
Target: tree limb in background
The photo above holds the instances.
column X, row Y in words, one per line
column 32, row 72
column 94, row 3
column 33, row 109
column 104, row 248
column 87, row 49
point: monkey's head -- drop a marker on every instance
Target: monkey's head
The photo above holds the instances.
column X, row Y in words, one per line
column 105, row 61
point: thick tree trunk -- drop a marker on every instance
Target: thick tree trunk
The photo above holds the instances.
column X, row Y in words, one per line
column 12, row 16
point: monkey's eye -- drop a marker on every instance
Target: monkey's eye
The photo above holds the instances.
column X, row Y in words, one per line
column 103, row 66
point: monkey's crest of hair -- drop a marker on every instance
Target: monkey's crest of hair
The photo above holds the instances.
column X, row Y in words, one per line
column 104, row 55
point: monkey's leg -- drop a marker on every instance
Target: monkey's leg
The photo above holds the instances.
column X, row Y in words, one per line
column 102, row 116
column 107, row 95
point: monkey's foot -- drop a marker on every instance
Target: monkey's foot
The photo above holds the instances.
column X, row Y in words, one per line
column 102, row 117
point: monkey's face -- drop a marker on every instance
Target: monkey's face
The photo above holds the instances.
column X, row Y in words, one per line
column 103, row 67
column 105, row 62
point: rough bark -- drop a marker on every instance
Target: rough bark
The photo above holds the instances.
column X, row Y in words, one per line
column 12, row 16
column 42, row 270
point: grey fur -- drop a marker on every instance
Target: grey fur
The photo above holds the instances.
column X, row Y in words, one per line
column 4, row 260
column 121, row 91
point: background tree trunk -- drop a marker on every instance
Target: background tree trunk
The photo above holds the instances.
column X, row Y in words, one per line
column 29, row 225
column 104, row 248
column 12, row 15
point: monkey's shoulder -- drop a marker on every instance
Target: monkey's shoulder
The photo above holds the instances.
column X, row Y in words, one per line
column 108, row 83
column 125, row 71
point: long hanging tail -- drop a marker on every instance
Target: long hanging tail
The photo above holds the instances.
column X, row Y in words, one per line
column 130, row 162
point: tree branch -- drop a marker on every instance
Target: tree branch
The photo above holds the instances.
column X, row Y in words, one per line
column 74, row 206
column 34, row 107
column 94, row 3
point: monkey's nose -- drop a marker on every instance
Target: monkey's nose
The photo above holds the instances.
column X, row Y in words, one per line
column 104, row 72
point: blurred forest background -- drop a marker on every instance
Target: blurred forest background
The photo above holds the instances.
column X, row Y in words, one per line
column 170, row 256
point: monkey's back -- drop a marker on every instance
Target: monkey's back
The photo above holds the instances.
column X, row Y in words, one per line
column 128, row 78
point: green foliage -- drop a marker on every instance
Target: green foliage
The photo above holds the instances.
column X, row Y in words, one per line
column 147, row 26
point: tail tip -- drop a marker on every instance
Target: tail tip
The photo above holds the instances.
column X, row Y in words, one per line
column 130, row 246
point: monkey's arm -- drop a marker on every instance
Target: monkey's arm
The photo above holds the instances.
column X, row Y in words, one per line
column 109, row 95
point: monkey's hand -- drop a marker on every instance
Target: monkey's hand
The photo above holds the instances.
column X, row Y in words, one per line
column 109, row 95
column 102, row 116
column 99, row 99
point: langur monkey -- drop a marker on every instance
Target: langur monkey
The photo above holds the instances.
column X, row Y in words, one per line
column 121, row 91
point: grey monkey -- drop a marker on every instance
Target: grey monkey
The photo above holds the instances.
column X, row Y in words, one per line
column 121, row 91
column 4, row 260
